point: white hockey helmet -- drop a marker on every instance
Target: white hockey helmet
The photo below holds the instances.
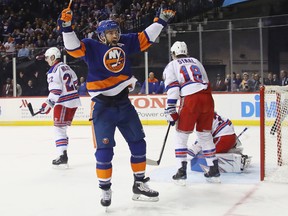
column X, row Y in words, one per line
column 51, row 55
column 179, row 48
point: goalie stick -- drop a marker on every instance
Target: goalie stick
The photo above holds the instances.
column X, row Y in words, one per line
column 238, row 142
column 245, row 159
column 157, row 163
column 242, row 132
column 29, row 105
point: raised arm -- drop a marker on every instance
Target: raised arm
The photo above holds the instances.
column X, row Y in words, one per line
column 66, row 26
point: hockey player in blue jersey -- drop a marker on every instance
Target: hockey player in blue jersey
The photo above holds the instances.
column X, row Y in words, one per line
column 109, row 81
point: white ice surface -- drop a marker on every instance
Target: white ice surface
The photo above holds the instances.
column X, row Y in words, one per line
column 29, row 186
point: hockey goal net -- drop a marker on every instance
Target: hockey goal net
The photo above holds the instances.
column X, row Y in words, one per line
column 274, row 133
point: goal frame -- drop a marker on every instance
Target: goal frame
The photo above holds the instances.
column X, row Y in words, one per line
column 262, row 130
column 262, row 133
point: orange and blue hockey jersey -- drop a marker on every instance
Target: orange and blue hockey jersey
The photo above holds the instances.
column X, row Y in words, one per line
column 108, row 66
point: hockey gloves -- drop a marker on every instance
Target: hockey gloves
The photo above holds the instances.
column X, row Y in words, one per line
column 65, row 21
column 171, row 114
column 164, row 16
column 46, row 107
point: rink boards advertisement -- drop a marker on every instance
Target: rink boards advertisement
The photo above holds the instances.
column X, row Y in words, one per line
column 242, row 109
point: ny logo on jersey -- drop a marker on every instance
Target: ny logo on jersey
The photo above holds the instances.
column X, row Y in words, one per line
column 114, row 59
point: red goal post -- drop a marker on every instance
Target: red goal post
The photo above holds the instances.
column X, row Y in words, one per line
column 274, row 133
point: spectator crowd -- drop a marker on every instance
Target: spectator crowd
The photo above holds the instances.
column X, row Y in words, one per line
column 247, row 82
column 27, row 28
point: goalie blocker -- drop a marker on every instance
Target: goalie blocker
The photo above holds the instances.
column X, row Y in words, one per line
column 228, row 162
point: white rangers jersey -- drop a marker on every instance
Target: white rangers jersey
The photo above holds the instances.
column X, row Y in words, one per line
column 221, row 126
column 62, row 82
column 184, row 76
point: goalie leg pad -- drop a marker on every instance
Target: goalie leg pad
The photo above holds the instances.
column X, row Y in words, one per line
column 228, row 162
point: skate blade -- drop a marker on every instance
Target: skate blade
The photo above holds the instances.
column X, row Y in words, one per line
column 180, row 182
column 214, row 180
column 106, row 209
column 141, row 197
column 60, row 166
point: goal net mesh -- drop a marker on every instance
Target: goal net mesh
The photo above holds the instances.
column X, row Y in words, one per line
column 274, row 143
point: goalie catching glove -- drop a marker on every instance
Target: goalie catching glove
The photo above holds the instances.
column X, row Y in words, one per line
column 171, row 114
column 46, row 107
column 65, row 21
column 164, row 16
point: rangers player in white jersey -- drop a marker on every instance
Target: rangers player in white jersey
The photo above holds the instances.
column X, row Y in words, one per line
column 64, row 97
column 186, row 79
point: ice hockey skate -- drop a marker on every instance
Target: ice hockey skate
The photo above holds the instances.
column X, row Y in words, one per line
column 142, row 192
column 213, row 175
column 106, row 197
column 181, row 175
column 61, row 161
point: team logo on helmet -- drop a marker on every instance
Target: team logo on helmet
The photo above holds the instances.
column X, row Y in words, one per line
column 114, row 59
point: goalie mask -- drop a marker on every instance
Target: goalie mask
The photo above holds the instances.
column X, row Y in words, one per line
column 179, row 48
column 52, row 55
column 110, row 27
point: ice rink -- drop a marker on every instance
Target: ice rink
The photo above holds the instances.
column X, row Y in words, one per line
column 29, row 186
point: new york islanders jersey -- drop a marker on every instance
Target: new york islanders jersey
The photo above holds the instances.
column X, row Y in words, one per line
column 221, row 126
column 108, row 66
column 62, row 82
column 184, row 76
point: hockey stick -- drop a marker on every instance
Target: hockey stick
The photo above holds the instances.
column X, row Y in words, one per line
column 237, row 147
column 70, row 3
column 157, row 163
column 245, row 159
column 242, row 132
column 29, row 105
column 237, row 138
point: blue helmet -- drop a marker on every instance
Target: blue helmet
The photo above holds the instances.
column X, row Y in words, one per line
column 104, row 26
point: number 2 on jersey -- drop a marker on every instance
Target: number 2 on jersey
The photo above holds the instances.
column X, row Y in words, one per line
column 68, row 82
